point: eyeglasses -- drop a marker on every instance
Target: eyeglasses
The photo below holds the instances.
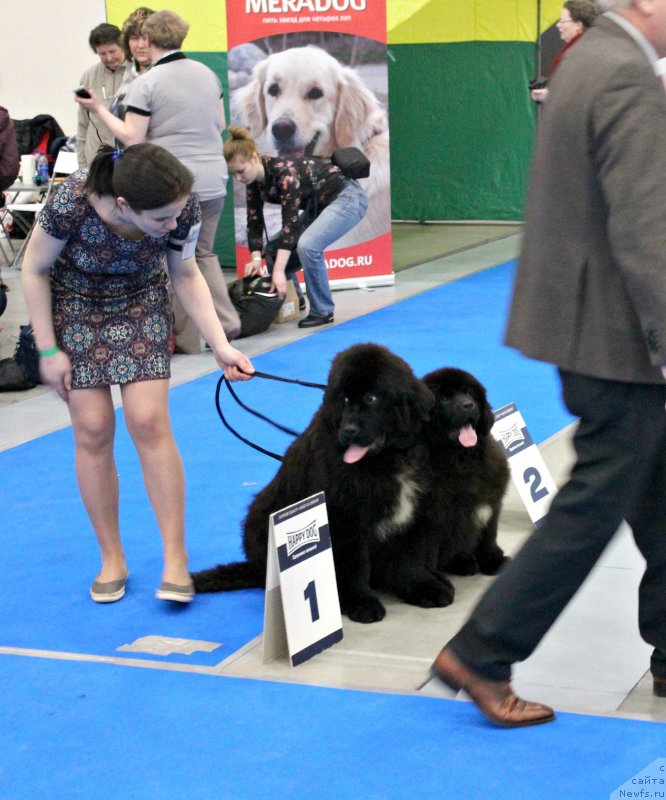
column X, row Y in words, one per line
column 564, row 21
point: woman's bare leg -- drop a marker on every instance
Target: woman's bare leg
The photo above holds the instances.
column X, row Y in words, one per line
column 94, row 423
column 147, row 418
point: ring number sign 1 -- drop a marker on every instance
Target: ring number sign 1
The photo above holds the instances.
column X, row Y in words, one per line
column 302, row 611
column 528, row 469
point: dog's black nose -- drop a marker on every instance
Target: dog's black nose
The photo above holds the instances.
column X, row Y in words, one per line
column 283, row 129
column 348, row 432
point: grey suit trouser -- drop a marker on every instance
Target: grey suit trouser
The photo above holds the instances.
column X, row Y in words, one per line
column 619, row 474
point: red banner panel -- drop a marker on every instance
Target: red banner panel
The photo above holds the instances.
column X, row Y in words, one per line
column 317, row 68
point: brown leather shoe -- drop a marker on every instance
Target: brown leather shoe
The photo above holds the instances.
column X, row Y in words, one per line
column 496, row 699
column 659, row 686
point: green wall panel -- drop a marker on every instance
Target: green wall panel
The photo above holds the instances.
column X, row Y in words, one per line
column 462, row 130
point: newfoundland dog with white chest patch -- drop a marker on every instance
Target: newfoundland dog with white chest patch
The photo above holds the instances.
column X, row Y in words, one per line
column 366, row 450
column 455, row 529
column 470, row 474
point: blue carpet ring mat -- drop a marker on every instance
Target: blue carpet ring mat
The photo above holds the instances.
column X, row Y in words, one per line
column 75, row 729
column 81, row 731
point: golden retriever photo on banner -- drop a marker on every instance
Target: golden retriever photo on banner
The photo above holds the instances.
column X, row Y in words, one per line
column 309, row 93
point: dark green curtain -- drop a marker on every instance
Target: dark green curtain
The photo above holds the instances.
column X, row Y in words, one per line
column 462, row 130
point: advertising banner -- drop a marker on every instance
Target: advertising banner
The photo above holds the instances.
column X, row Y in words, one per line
column 307, row 77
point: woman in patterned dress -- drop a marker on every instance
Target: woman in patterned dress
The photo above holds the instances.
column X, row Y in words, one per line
column 95, row 285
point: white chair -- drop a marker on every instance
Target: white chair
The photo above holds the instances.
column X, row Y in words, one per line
column 65, row 164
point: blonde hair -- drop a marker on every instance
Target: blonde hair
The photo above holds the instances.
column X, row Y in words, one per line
column 165, row 29
column 240, row 145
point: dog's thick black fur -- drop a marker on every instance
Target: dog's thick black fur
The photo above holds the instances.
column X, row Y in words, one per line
column 455, row 530
column 470, row 474
column 365, row 449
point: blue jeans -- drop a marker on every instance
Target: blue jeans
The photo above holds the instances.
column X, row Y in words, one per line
column 344, row 213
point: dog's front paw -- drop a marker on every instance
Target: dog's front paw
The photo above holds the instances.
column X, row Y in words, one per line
column 491, row 564
column 463, row 564
column 364, row 608
column 433, row 592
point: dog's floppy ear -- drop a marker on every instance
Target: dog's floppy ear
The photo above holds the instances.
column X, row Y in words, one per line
column 249, row 104
column 413, row 406
column 356, row 107
column 487, row 418
column 333, row 402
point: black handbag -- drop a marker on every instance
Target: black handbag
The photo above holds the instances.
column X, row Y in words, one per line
column 257, row 306
column 22, row 370
column 352, row 162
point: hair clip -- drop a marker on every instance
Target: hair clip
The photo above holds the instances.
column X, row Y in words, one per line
column 117, row 153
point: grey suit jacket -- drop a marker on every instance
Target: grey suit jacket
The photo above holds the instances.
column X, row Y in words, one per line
column 590, row 292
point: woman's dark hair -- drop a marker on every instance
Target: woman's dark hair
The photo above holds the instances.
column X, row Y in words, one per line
column 146, row 175
column 582, row 11
column 132, row 27
column 241, row 144
column 103, row 34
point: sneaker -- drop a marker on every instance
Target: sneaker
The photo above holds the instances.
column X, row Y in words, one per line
column 313, row 321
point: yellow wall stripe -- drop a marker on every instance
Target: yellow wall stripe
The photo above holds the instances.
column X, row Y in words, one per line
column 207, row 18
column 409, row 21
column 440, row 21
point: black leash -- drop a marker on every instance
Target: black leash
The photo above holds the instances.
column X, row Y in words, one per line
column 256, row 413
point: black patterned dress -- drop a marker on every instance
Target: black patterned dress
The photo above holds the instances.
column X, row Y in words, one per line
column 111, row 309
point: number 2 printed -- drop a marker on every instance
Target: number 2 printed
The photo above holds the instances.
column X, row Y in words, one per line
column 533, row 477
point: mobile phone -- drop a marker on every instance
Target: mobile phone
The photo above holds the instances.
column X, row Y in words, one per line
column 82, row 92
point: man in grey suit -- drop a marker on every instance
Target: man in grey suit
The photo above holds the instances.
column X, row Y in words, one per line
column 590, row 297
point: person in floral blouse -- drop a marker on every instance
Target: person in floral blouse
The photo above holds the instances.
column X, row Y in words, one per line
column 335, row 204
column 95, row 284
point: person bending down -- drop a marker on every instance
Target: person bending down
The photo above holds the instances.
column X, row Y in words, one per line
column 95, row 286
column 339, row 205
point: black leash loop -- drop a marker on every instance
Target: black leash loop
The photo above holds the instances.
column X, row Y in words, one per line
column 257, row 414
column 282, row 428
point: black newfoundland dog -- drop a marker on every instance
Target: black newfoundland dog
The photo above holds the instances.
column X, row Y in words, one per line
column 470, row 474
column 366, row 450
column 455, row 529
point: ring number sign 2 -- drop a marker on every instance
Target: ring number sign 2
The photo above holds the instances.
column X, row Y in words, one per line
column 528, row 469
column 302, row 611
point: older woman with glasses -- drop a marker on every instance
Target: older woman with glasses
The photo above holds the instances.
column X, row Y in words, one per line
column 576, row 17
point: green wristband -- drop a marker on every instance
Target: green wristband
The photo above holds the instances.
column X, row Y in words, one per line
column 47, row 353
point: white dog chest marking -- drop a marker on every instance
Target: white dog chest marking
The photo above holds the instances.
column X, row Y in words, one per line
column 404, row 508
column 482, row 514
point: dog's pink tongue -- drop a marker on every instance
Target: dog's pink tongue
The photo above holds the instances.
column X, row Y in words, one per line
column 467, row 436
column 354, row 453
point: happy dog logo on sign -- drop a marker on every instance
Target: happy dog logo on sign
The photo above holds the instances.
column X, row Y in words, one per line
column 307, row 535
column 512, row 437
